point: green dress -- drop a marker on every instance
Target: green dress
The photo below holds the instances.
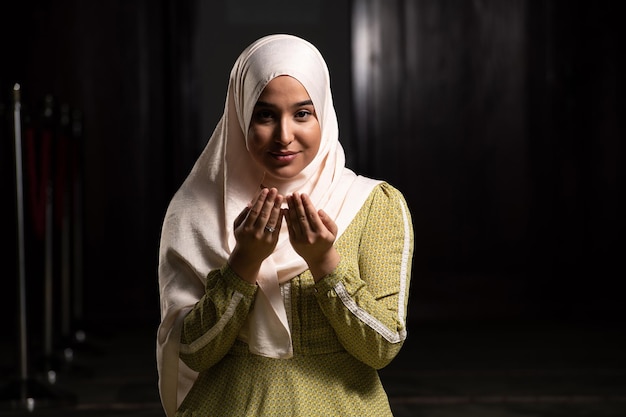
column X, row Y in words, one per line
column 344, row 328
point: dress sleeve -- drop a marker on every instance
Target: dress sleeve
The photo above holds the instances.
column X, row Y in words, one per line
column 212, row 326
column 365, row 298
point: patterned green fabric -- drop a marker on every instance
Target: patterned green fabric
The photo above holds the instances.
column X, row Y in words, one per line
column 344, row 328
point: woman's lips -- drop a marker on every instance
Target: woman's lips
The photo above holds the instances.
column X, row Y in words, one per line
column 284, row 156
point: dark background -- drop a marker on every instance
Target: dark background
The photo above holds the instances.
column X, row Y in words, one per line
column 500, row 121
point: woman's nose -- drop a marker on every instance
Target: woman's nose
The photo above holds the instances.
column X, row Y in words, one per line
column 285, row 132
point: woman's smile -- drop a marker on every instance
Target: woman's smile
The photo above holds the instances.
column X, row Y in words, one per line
column 285, row 157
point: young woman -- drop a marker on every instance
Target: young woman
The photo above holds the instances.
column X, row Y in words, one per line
column 283, row 275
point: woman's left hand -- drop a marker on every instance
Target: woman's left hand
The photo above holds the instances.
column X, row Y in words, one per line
column 312, row 234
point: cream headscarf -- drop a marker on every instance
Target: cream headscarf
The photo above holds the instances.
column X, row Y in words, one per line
column 197, row 234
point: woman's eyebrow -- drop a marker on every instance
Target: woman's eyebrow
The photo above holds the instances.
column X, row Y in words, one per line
column 304, row 103
column 298, row 104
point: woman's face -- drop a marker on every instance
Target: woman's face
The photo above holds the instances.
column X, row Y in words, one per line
column 284, row 134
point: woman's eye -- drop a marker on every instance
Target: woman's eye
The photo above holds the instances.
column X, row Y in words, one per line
column 303, row 114
column 263, row 115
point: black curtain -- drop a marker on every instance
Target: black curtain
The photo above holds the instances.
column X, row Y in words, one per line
column 499, row 121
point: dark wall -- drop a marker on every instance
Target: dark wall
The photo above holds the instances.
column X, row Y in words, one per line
column 576, row 136
column 441, row 115
column 499, row 121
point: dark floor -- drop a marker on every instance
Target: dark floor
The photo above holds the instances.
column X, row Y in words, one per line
column 444, row 370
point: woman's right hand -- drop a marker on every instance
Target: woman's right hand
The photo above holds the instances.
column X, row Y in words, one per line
column 256, row 229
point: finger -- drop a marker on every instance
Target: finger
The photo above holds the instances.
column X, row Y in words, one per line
column 298, row 214
column 241, row 216
column 279, row 220
column 256, row 208
column 311, row 218
column 292, row 216
column 267, row 209
column 301, row 212
column 275, row 219
column 328, row 222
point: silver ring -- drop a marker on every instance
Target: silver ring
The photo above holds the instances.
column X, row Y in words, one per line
column 269, row 229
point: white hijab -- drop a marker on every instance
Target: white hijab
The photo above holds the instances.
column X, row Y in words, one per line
column 197, row 235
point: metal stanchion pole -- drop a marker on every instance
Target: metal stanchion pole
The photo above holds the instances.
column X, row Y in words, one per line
column 82, row 340
column 17, row 394
column 17, row 122
column 25, row 392
column 47, row 175
column 65, row 181
column 64, row 173
column 77, row 132
column 48, row 283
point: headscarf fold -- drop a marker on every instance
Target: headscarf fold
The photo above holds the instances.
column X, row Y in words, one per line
column 197, row 234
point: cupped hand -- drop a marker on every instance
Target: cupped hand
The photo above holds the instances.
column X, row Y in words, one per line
column 312, row 234
column 256, row 230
